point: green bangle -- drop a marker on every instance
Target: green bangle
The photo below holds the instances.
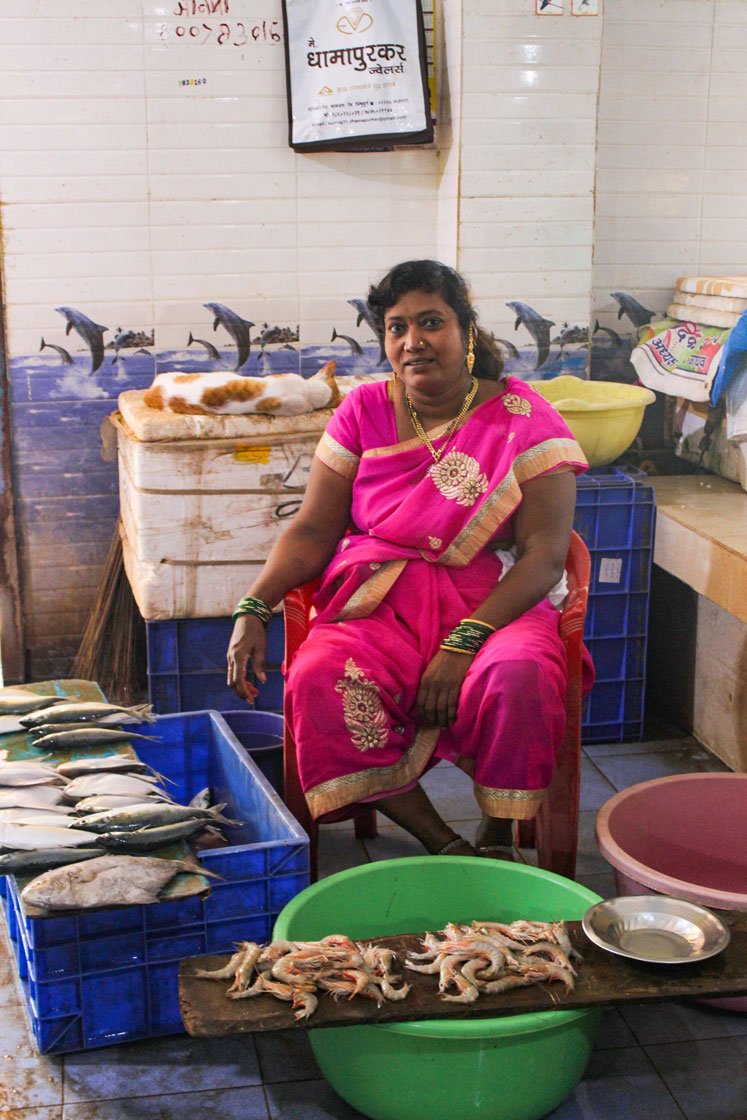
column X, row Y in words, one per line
column 468, row 636
column 251, row 605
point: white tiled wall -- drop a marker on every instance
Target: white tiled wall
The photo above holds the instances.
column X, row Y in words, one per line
column 137, row 199
column 670, row 195
column 527, row 161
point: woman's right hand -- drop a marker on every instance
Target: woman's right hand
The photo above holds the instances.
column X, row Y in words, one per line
column 246, row 650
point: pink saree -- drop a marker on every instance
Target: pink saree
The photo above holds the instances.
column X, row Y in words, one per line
column 420, row 556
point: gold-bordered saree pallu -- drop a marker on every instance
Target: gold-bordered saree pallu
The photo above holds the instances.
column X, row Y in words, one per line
column 420, row 558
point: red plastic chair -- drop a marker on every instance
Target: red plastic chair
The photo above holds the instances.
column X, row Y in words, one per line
column 296, row 610
column 555, row 828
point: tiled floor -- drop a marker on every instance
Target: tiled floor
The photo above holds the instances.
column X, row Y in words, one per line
column 669, row 1061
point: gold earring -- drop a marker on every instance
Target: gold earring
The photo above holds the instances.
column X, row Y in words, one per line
column 470, row 349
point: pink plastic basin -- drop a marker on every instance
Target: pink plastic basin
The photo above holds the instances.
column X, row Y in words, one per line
column 684, row 836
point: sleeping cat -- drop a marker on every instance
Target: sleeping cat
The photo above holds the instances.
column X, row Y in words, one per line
column 225, row 394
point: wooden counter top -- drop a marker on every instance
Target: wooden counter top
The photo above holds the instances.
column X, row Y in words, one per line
column 701, row 536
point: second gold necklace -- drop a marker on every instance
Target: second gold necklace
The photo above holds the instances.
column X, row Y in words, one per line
column 451, row 427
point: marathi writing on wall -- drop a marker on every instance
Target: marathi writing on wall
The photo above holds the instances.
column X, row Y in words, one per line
column 356, row 74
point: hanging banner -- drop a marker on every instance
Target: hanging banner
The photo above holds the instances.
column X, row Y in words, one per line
column 356, row 74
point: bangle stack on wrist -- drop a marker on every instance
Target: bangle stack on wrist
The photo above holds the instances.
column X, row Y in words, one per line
column 250, row 605
column 468, row 636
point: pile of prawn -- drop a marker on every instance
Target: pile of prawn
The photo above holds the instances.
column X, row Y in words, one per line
column 483, row 957
column 492, row 957
column 296, row 971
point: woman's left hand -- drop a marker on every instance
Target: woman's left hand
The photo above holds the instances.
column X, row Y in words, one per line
column 440, row 685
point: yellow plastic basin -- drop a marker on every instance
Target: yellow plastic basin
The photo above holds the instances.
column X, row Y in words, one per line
column 604, row 416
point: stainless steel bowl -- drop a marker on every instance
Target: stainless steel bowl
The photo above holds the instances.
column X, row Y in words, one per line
column 655, row 928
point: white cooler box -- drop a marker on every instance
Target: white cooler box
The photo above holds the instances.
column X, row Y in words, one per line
column 203, row 499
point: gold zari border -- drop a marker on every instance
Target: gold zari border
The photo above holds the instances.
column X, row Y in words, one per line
column 337, row 457
column 506, row 497
column 350, row 788
column 372, row 592
column 517, row 804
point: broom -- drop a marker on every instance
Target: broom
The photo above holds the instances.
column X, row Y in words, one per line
column 112, row 648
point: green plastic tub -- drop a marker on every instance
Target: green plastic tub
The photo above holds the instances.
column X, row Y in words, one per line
column 515, row 1068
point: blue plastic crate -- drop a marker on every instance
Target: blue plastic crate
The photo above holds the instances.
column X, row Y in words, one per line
column 615, row 515
column 187, row 665
column 108, row 976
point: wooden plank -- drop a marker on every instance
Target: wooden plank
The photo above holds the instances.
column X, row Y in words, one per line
column 701, row 537
column 603, row 979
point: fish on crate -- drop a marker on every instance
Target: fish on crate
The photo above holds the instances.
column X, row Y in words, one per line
column 18, row 701
column 202, row 799
column 109, row 880
column 41, row 859
column 29, row 837
column 29, row 772
column 87, row 711
column 152, row 815
column 89, row 785
column 225, row 394
column 101, row 803
column 33, row 797
column 76, row 736
column 146, row 839
column 109, row 763
column 39, row 816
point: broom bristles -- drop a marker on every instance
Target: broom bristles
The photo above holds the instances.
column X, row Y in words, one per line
column 111, row 648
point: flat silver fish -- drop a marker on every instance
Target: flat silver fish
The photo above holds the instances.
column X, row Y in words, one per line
column 39, row 816
column 28, row 837
column 80, row 711
column 101, row 803
column 110, row 880
column 29, row 772
column 32, row 797
column 90, row 784
column 17, row 701
column 109, row 763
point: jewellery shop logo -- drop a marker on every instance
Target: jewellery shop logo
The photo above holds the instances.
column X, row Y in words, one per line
column 354, row 23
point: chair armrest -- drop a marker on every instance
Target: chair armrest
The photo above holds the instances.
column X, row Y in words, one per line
column 296, row 611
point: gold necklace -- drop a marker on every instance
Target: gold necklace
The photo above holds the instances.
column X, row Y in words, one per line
column 452, row 425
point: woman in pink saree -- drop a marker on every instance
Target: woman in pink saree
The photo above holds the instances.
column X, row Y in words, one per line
column 438, row 515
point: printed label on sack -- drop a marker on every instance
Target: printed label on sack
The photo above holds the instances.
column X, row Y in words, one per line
column 252, row 454
column 610, row 570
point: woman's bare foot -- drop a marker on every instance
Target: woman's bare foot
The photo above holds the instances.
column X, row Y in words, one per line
column 456, row 847
column 494, row 838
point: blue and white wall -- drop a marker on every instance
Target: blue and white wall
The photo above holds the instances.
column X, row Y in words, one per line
column 145, row 173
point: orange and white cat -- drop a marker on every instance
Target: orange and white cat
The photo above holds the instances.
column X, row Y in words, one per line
column 225, row 394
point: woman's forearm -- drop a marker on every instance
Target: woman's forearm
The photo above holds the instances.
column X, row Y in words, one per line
column 299, row 554
column 526, row 584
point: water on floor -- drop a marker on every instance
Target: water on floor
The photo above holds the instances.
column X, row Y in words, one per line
column 668, row 1061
